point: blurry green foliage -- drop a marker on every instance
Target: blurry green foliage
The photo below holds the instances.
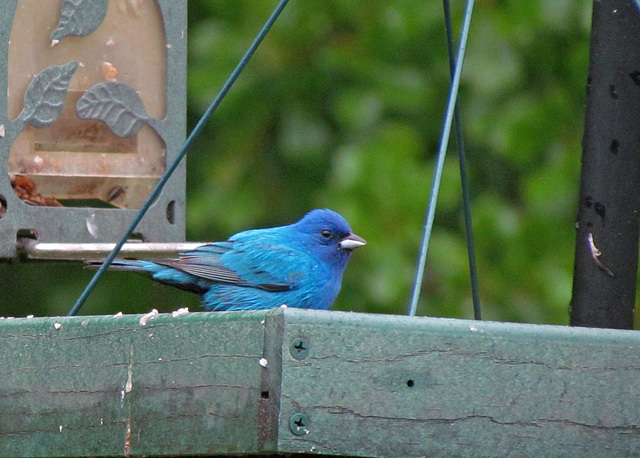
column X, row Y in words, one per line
column 342, row 107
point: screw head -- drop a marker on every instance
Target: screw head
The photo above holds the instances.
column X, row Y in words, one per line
column 299, row 348
column 299, row 424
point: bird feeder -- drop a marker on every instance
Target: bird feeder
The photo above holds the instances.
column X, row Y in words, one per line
column 92, row 108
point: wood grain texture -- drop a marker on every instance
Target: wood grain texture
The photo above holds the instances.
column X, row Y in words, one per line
column 398, row 386
column 109, row 386
column 369, row 385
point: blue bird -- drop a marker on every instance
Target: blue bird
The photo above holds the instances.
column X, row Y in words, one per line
column 299, row 265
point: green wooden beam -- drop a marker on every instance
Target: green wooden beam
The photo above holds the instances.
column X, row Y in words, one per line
column 109, row 386
column 293, row 381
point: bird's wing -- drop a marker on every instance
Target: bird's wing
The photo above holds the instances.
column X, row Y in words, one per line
column 265, row 266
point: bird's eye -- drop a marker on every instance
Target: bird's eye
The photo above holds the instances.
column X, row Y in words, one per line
column 326, row 233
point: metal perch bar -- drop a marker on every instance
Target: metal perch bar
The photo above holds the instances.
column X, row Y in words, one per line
column 78, row 251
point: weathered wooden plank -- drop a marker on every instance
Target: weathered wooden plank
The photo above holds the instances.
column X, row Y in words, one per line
column 395, row 386
column 109, row 386
column 288, row 381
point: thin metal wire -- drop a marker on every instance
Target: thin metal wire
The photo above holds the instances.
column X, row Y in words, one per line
column 174, row 165
column 466, row 204
column 442, row 151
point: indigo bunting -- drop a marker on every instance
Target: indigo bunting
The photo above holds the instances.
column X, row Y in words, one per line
column 299, row 265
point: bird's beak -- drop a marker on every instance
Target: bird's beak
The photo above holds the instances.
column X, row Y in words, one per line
column 351, row 242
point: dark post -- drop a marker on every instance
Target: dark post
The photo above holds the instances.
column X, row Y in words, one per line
column 606, row 259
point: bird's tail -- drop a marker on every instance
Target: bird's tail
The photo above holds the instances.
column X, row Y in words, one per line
column 157, row 271
column 121, row 264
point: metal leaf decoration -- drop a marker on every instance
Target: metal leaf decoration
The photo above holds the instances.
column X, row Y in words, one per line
column 117, row 105
column 46, row 95
column 80, row 18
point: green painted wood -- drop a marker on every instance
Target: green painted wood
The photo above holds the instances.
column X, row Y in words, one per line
column 109, row 386
column 361, row 385
column 398, row 386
